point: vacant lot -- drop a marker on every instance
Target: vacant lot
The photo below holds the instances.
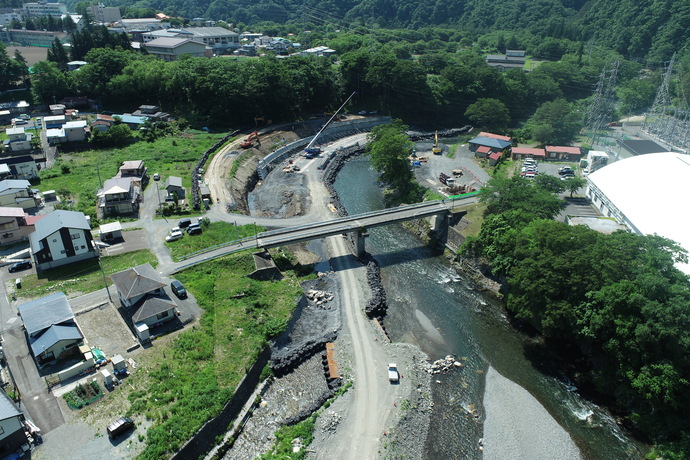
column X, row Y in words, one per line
column 80, row 278
column 213, row 234
column 77, row 176
column 32, row 54
column 187, row 377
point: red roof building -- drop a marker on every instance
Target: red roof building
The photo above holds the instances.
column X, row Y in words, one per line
column 495, row 136
column 554, row 152
column 520, row 153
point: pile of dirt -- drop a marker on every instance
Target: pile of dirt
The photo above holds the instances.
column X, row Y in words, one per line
column 281, row 195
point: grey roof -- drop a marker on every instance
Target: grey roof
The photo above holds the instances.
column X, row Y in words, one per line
column 56, row 220
column 489, row 142
column 137, row 281
column 17, row 160
column 116, row 185
column 174, row 181
column 9, row 184
column 152, row 306
column 642, row 147
column 41, row 313
column 7, row 408
column 53, row 335
column 209, row 31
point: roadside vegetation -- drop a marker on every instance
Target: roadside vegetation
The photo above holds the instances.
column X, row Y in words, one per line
column 213, row 234
column 614, row 306
column 81, row 278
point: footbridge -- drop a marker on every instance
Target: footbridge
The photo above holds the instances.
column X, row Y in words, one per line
column 440, row 211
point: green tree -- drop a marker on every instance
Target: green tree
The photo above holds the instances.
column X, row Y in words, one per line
column 489, row 113
column 556, row 122
column 115, row 136
column 389, row 148
column 57, row 54
column 49, row 83
column 503, row 194
column 551, row 183
column 573, row 184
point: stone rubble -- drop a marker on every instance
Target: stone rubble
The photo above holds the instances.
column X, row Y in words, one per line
column 441, row 366
column 331, row 419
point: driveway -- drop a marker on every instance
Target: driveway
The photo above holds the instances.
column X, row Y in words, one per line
column 37, row 403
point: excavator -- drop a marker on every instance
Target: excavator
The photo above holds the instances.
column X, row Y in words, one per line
column 248, row 141
column 436, row 149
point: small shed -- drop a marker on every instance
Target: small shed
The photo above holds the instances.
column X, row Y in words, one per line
column 107, row 377
column 173, row 184
column 111, row 231
column 119, row 363
column 142, row 330
column 49, row 195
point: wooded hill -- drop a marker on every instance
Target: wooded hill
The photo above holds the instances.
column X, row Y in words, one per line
column 647, row 30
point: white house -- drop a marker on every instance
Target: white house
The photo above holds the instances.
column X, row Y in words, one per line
column 61, row 238
column 18, row 140
column 16, row 193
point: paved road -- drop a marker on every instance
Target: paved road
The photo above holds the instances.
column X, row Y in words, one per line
column 41, row 405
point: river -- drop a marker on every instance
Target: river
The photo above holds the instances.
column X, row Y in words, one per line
column 430, row 305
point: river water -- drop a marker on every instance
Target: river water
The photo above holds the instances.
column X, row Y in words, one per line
column 435, row 308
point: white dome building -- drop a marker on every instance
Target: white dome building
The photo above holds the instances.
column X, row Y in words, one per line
column 648, row 193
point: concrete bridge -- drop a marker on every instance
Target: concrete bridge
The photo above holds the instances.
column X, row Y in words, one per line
column 441, row 213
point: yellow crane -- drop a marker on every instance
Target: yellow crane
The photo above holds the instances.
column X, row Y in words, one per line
column 436, row 149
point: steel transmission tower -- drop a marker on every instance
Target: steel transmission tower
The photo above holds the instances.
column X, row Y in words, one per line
column 603, row 101
column 668, row 122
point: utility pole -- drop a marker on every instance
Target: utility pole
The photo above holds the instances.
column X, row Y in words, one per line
column 100, row 264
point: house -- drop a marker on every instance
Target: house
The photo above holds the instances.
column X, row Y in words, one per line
column 102, row 122
column 54, row 121
column 495, row 136
column 14, row 225
column 141, row 289
column 152, row 112
column 17, row 140
column 563, row 153
column 512, row 59
column 55, row 136
column 132, row 168
column 17, row 193
column 13, row 440
column 134, row 284
column 490, row 145
column 51, row 329
column 494, row 157
column 520, row 153
column 57, row 109
column 61, row 238
column 75, row 131
column 15, row 107
column 132, row 121
column 5, row 117
column 173, row 185
column 119, row 196
column 170, row 49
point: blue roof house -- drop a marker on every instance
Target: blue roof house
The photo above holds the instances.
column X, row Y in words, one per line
column 52, row 332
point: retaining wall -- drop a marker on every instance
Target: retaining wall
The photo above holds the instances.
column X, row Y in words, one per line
column 334, row 131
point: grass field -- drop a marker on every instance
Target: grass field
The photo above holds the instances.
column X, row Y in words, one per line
column 83, row 277
column 213, row 234
column 75, row 175
column 184, row 380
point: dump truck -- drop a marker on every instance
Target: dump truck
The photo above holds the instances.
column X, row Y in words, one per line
column 445, row 179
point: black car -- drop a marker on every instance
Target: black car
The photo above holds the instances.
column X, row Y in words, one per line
column 184, row 223
column 119, row 427
column 178, row 289
column 23, row 265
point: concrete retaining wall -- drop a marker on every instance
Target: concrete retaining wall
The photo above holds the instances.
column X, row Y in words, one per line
column 334, row 131
column 205, row 438
column 76, row 370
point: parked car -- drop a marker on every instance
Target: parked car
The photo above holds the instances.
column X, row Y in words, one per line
column 25, row 116
column 19, row 121
column 194, row 229
column 178, row 289
column 156, row 177
column 393, row 375
column 174, row 236
column 23, row 265
column 119, row 427
column 184, row 223
column 565, row 170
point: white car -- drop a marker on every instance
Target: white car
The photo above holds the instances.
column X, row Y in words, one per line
column 174, row 236
column 393, row 375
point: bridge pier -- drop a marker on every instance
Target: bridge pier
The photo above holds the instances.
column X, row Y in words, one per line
column 360, row 235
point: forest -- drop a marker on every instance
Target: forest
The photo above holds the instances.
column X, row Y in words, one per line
column 647, row 31
column 614, row 306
